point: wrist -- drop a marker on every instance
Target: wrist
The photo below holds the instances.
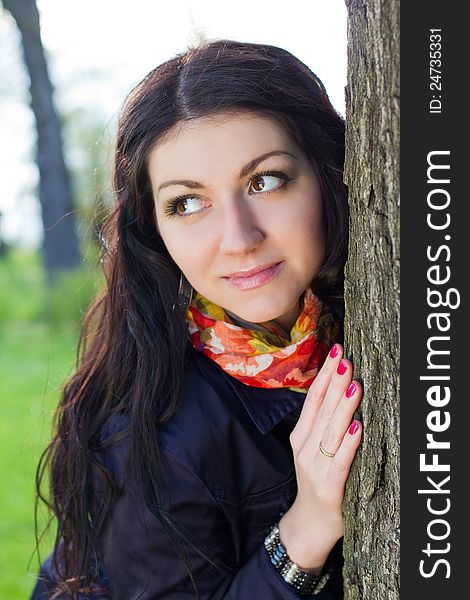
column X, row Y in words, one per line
column 307, row 541
column 304, row 582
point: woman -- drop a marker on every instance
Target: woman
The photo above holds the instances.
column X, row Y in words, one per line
column 203, row 445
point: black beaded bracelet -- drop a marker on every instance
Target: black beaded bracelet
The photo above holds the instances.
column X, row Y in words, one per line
column 303, row 582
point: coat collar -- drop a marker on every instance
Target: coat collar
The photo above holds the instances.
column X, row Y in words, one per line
column 266, row 407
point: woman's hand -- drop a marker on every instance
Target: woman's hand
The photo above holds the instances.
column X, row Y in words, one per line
column 314, row 522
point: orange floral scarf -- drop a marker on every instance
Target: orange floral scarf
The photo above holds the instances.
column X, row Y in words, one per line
column 262, row 356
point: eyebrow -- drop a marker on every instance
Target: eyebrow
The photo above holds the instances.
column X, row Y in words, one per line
column 248, row 168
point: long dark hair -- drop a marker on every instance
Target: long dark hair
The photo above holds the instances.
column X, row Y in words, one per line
column 132, row 345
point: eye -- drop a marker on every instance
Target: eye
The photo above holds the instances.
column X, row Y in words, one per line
column 183, row 206
column 268, row 181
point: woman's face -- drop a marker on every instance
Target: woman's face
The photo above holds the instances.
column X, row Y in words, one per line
column 239, row 209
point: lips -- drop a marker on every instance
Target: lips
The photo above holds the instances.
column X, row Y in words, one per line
column 252, row 271
column 255, row 277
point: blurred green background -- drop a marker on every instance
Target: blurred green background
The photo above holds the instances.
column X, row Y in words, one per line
column 38, row 338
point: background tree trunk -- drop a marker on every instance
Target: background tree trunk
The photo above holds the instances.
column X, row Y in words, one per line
column 60, row 246
column 372, row 296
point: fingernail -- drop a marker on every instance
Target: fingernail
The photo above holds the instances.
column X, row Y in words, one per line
column 350, row 391
column 342, row 368
column 353, row 428
column 334, row 351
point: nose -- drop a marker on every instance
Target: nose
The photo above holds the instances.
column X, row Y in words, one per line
column 240, row 232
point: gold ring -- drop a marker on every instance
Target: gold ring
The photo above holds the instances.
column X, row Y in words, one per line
column 324, row 452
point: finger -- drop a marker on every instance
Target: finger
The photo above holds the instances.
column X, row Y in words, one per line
column 340, row 465
column 317, row 392
column 339, row 383
column 335, row 431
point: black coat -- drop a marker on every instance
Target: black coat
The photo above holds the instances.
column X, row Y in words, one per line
column 230, row 474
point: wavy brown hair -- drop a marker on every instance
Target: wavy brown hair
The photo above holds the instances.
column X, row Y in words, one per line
column 131, row 351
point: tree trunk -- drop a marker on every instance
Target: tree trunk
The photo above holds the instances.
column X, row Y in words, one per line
column 60, row 245
column 371, row 543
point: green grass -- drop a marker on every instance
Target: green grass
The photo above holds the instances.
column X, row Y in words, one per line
column 38, row 337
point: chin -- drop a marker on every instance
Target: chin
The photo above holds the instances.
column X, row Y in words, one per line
column 259, row 311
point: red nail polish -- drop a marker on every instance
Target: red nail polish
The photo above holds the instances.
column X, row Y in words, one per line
column 334, row 351
column 353, row 428
column 350, row 391
column 342, row 368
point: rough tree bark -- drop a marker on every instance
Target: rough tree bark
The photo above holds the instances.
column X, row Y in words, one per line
column 372, row 296
column 60, row 246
